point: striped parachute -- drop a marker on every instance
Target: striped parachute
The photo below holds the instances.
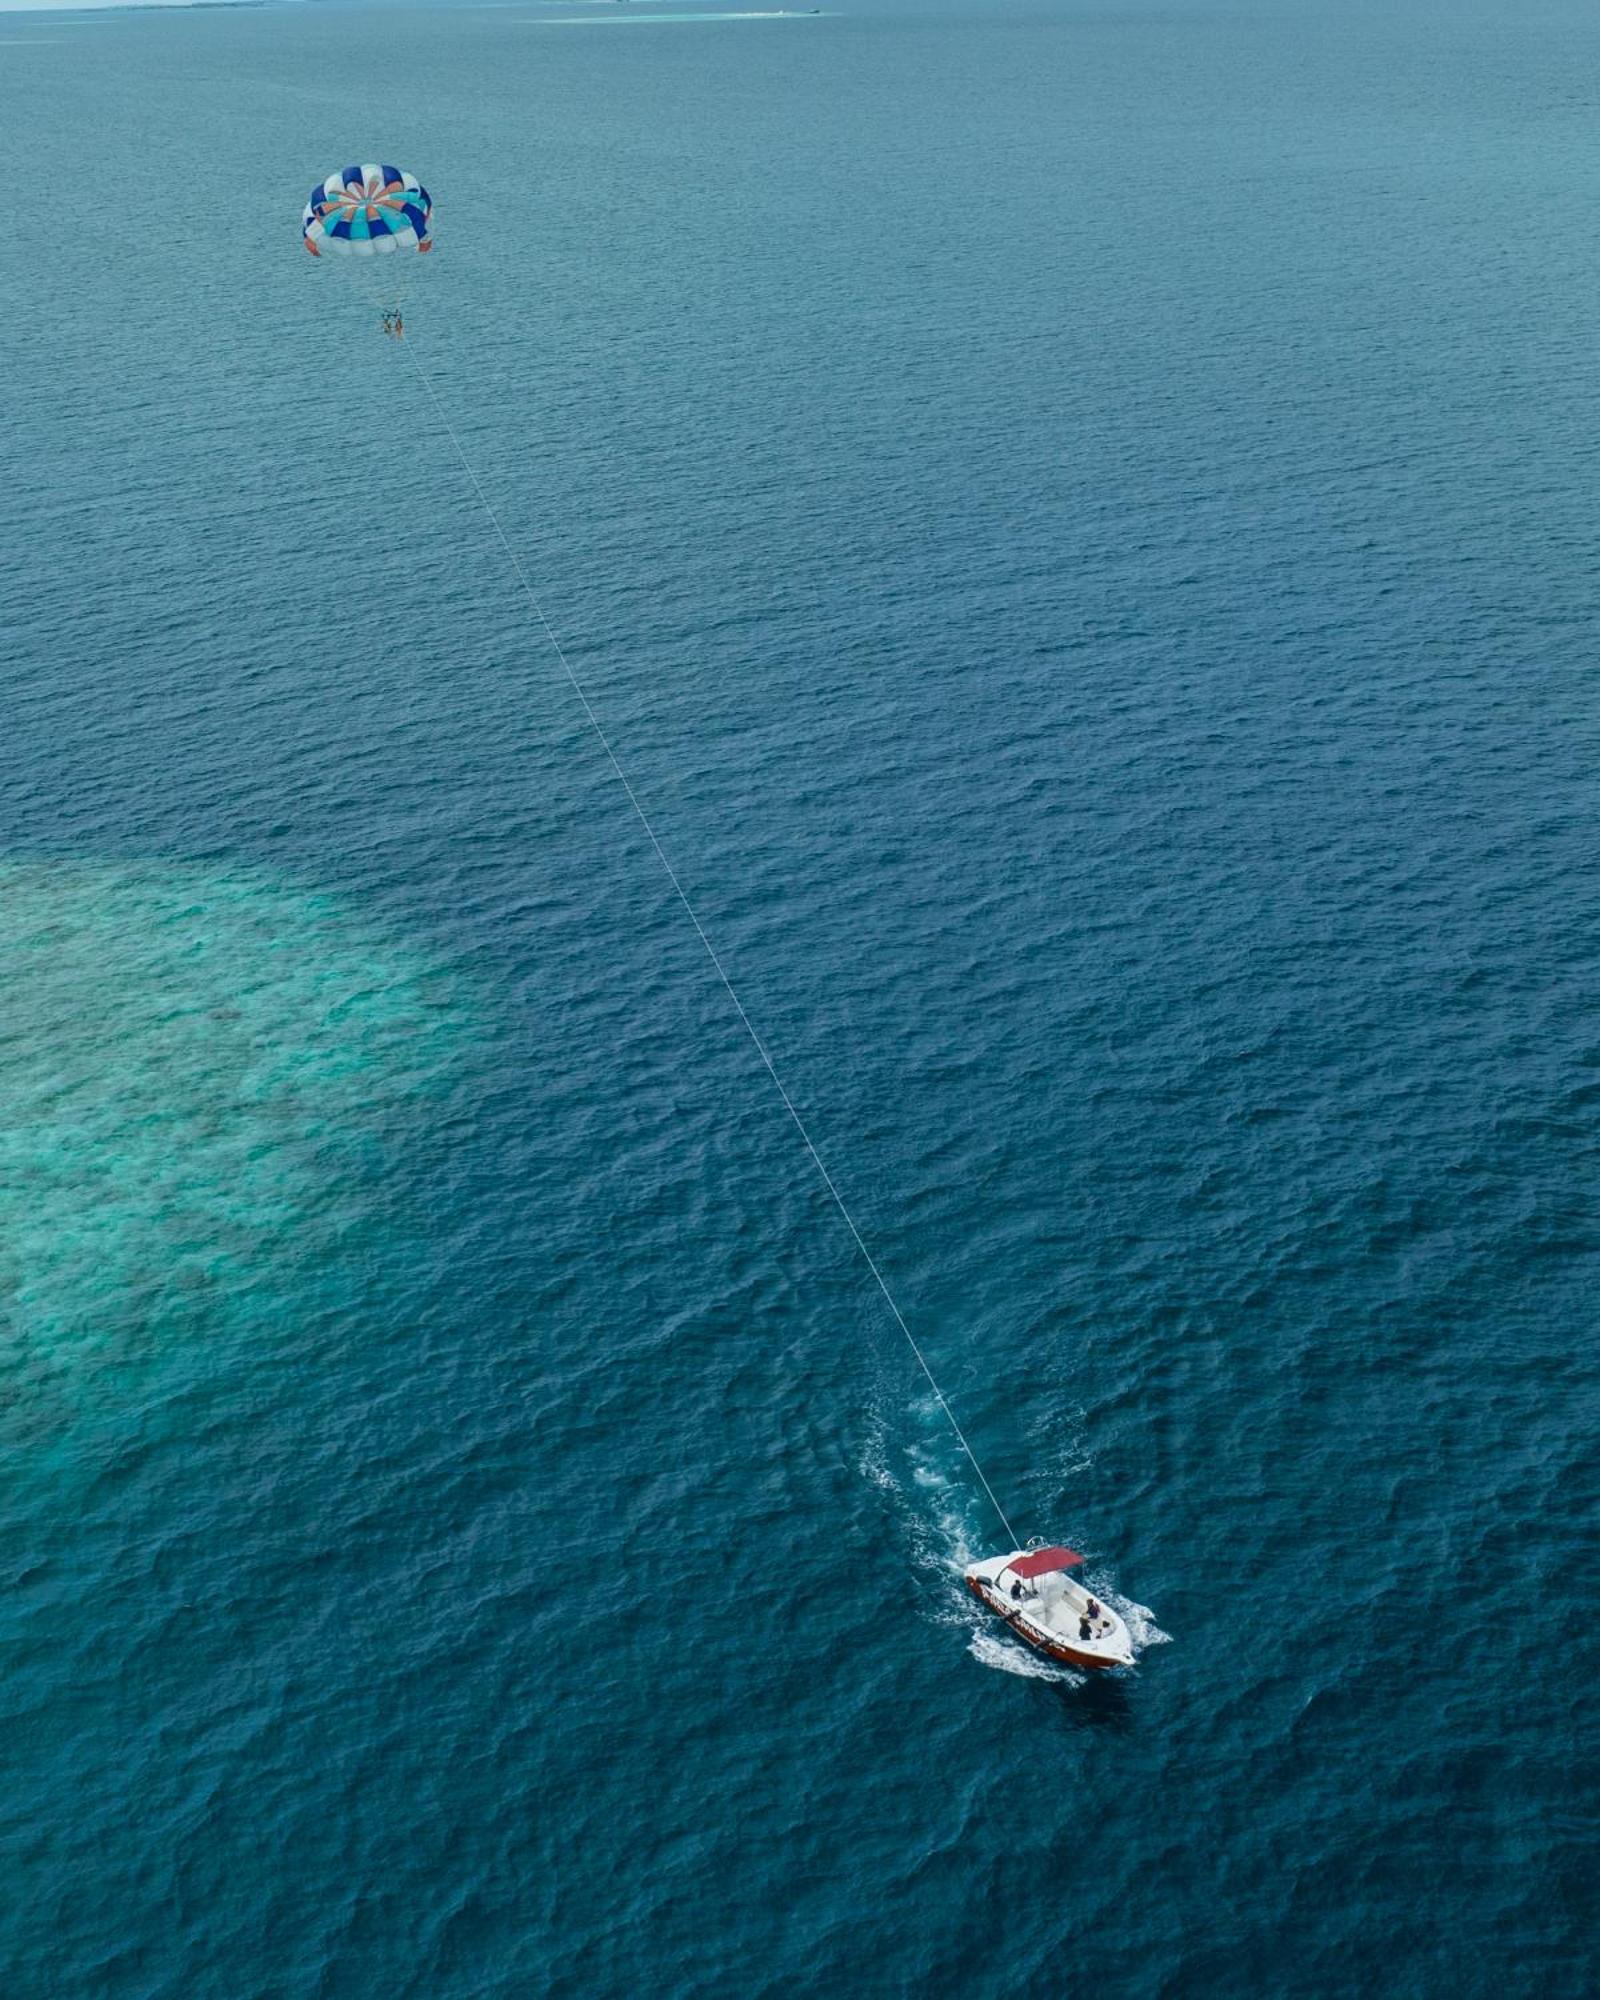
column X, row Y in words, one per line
column 367, row 211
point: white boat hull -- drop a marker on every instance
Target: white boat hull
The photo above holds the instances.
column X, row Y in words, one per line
column 1052, row 1613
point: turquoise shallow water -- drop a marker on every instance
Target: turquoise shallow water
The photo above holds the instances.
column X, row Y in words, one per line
column 196, row 1068
column 1081, row 522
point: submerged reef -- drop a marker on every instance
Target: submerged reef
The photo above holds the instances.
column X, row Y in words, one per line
column 204, row 1079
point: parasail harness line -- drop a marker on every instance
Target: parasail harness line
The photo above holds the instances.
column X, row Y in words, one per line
column 542, row 620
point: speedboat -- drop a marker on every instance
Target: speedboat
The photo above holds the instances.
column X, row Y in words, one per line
column 1034, row 1591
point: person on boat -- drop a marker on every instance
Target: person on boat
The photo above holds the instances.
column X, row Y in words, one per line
column 1084, row 1631
column 1092, row 1610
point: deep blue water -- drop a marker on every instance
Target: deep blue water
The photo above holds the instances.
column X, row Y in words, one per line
column 1082, row 524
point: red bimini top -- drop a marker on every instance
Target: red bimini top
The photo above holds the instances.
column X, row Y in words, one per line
column 1041, row 1562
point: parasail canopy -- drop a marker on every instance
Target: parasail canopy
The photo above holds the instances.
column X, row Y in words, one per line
column 1041, row 1562
column 368, row 211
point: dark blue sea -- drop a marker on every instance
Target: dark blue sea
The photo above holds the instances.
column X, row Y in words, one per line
column 1082, row 524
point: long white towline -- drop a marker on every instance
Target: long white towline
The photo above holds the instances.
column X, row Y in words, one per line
column 559, row 650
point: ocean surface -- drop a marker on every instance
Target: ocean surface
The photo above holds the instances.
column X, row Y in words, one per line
column 1082, row 523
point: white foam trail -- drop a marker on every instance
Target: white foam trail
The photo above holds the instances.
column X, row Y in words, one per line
column 875, row 1462
column 1009, row 1658
column 930, row 1513
column 929, row 1501
column 941, row 1543
column 1139, row 1619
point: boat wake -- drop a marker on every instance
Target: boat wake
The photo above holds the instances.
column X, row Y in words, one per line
column 1139, row 1619
column 929, row 1502
column 1007, row 1657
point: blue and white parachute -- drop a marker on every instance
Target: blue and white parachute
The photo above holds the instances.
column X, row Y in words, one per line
column 368, row 211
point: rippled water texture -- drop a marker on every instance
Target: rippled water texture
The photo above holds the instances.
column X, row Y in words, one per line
column 194, row 1071
column 1081, row 522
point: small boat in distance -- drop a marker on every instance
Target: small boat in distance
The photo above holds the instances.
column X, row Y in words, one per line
column 1033, row 1592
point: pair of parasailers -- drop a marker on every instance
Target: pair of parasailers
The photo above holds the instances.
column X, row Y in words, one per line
column 393, row 324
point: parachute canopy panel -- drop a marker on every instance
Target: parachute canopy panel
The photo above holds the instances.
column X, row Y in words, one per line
column 368, row 211
column 1044, row 1562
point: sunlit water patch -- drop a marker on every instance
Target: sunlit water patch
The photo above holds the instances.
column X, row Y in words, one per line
column 201, row 1079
